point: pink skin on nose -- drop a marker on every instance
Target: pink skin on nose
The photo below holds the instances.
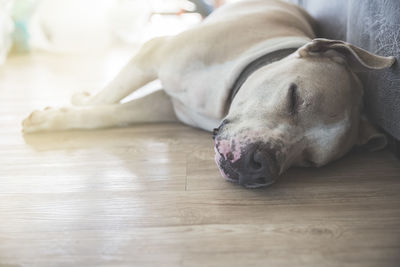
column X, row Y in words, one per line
column 231, row 149
column 224, row 147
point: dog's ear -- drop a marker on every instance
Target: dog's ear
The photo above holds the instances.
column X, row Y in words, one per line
column 358, row 59
column 369, row 137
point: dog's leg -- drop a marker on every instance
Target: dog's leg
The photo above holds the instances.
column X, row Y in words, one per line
column 155, row 107
column 140, row 70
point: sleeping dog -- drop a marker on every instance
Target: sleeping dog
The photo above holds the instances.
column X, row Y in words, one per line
column 284, row 98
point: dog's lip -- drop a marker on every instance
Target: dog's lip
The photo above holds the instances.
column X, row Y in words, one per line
column 218, row 158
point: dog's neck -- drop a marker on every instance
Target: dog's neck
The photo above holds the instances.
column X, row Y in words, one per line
column 255, row 65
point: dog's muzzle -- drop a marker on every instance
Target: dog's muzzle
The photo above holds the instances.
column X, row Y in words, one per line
column 255, row 167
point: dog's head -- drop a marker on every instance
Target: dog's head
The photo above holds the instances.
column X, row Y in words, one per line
column 303, row 110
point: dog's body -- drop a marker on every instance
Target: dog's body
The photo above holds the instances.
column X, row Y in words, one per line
column 200, row 69
column 200, row 66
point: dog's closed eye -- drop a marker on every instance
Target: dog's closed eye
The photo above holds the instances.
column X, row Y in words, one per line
column 293, row 99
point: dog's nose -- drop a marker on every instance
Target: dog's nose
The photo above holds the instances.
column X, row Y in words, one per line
column 256, row 169
column 256, row 166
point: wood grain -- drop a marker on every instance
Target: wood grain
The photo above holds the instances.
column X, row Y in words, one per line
column 151, row 195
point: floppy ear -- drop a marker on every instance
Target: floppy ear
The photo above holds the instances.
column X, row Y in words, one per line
column 357, row 58
column 369, row 137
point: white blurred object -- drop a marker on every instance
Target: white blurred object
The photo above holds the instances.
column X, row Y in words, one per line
column 6, row 29
column 71, row 25
column 128, row 19
column 136, row 21
column 93, row 25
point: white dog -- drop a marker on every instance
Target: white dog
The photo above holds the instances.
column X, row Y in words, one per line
column 285, row 99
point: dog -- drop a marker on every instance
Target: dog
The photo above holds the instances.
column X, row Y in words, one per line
column 284, row 98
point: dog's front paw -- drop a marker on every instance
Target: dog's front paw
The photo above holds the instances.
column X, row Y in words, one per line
column 80, row 99
column 43, row 120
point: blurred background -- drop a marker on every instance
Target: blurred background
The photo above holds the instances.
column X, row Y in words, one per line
column 75, row 26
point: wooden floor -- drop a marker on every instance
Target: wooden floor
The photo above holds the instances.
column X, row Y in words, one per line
column 151, row 195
